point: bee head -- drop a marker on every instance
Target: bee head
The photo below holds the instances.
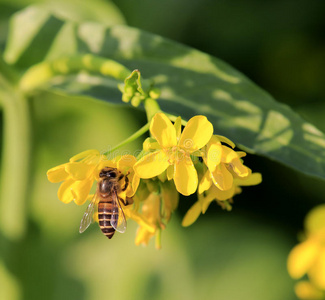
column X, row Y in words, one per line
column 108, row 172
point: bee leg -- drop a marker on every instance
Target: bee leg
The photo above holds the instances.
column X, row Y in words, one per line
column 127, row 201
column 126, row 184
column 122, row 200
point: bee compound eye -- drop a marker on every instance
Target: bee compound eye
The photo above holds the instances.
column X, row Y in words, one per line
column 112, row 174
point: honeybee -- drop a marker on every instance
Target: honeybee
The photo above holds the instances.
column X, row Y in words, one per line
column 111, row 217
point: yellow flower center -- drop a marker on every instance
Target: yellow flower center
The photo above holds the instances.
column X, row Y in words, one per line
column 176, row 154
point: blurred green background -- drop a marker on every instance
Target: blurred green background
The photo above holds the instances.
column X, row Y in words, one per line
column 238, row 255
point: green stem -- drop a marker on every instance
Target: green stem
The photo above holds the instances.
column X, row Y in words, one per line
column 152, row 107
column 15, row 161
column 158, row 238
column 130, row 139
column 8, row 71
column 43, row 72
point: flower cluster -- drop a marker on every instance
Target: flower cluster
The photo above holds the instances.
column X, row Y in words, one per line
column 154, row 201
column 176, row 153
column 173, row 161
column 171, row 151
column 308, row 257
column 79, row 174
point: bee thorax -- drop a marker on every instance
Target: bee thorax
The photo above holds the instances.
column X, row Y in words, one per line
column 105, row 186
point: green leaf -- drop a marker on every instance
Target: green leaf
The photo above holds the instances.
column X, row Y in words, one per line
column 102, row 11
column 36, row 29
column 32, row 32
column 191, row 82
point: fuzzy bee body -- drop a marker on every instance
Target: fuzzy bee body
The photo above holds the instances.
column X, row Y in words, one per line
column 110, row 214
column 105, row 214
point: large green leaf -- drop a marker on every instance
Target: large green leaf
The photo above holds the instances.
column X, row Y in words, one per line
column 191, row 82
column 35, row 29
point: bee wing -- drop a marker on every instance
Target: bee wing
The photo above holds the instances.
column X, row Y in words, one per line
column 118, row 220
column 87, row 218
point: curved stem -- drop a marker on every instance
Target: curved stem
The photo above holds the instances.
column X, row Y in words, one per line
column 130, row 139
column 43, row 72
column 15, row 161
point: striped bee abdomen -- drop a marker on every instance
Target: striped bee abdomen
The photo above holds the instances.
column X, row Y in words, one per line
column 105, row 214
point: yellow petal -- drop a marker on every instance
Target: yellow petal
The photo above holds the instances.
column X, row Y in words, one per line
column 163, row 131
column 126, row 162
column 241, row 154
column 222, row 195
column 192, row 214
column 253, row 179
column 84, row 154
column 228, row 155
column 141, row 220
column 143, row 236
column 64, row 192
column 226, row 141
column 150, row 144
column 57, row 174
column 135, row 184
column 222, row 178
column 151, row 165
column 196, row 134
column 106, row 163
column 80, row 190
column 317, row 271
column 301, row 258
column 185, row 177
column 178, row 127
column 213, row 155
column 75, row 190
column 79, row 170
column 206, row 199
column 306, row 291
column 239, row 168
column 205, row 182
column 170, row 172
column 134, row 180
column 315, row 219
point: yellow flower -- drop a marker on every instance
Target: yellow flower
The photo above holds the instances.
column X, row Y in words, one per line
column 174, row 151
column 151, row 212
column 306, row 291
column 221, row 196
column 158, row 200
column 309, row 256
column 223, row 164
column 77, row 175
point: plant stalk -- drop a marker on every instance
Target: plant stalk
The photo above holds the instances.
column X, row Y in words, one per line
column 130, row 139
column 14, row 161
